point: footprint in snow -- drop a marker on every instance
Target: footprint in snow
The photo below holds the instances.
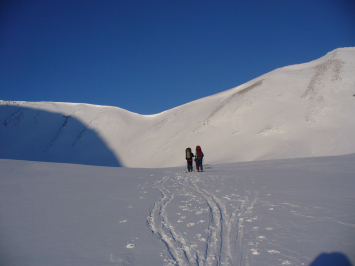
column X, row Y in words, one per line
column 181, row 220
column 273, row 252
column 254, row 251
column 252, row 219
column 200, row 238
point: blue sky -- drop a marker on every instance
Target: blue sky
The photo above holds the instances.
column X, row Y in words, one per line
column 151, row 56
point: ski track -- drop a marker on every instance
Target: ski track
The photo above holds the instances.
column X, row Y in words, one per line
column 223, row 234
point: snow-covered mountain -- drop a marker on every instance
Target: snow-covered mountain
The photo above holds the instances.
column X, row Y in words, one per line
column 276, row 212
column 296, row 111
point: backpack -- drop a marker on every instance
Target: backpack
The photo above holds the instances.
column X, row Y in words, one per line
column 198, row 153
column 188, row 154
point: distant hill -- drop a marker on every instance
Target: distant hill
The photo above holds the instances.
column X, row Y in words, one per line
column 296, row 111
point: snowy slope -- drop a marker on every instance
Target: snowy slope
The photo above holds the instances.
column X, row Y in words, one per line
column 280, row 212
column 297, row 111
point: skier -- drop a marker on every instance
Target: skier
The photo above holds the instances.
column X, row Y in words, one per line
column 198, row 159
column 189, row 156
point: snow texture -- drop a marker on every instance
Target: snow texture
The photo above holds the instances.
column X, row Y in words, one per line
column 297, row 111
column 279, row 212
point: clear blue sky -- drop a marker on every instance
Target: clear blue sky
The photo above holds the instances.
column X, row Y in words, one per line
column 150, row 56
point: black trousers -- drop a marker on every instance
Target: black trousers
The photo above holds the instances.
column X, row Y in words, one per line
column 189, row 166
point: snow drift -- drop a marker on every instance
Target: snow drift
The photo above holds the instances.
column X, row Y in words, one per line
column 297, row 111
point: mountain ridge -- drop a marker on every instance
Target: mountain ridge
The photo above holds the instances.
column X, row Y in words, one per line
column 302, row 110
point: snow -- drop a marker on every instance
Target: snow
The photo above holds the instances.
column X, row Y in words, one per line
column 279, row 212
column 278, row 186
column 296, row 111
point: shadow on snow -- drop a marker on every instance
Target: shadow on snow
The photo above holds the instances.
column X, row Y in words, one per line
column 38, row 135
column 331, row 259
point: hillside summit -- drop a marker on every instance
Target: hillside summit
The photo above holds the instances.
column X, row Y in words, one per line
column 304, row 110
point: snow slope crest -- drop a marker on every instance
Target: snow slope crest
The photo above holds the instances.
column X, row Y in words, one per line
column 302, row 110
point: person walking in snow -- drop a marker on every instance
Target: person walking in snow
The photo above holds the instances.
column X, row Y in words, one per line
column 198, row 159
column 189, row 156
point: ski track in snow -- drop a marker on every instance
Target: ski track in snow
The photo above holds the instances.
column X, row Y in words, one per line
column 220, row 241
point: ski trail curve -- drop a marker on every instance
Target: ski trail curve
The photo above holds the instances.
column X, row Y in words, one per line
column 159, row 224
column 218, row 245
column 223, row 232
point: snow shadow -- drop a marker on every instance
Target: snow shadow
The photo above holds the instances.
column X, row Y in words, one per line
column 39, row 135
column 331, row 259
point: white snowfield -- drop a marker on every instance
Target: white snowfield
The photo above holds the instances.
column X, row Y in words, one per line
column 297, row 111
column 279, row 212
column 278, row 186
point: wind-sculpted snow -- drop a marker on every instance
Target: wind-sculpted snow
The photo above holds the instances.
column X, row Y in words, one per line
column 329, row 72
column 224, row 103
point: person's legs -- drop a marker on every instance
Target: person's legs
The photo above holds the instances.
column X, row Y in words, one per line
column 198, row 165
column 189, row 166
